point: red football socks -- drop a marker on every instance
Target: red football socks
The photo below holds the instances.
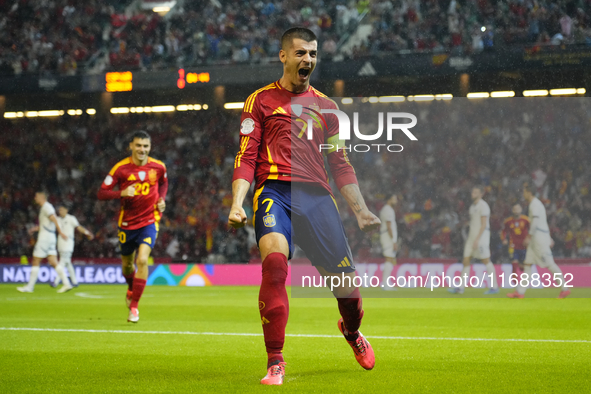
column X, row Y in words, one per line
column 274, row 305
column 274, row 359
column 516, row 269
column 129, row 280
column 351, row 309
column 138, row 289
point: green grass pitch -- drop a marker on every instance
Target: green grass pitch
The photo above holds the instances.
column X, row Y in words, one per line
column 408, row 335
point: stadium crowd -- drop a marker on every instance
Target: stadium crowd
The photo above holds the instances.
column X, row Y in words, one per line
column 41, row 36
column 71, row 156
column 465, row 26
column 496, row 143
column 460, row 143
column 226, row 32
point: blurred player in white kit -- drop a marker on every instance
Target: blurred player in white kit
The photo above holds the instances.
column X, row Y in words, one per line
column 69, row 224
column 478, row 243
column 46, row 244
column 388, row 238
column 538, row 243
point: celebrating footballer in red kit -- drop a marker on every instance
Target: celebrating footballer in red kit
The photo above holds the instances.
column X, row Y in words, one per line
column 142, row 185
column 293, row 200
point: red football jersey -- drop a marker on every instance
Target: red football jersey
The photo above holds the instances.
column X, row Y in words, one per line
column 517, row 229
column 150, row 182
column 274, row 141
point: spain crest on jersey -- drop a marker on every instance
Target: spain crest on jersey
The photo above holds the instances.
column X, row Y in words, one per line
column 152, row 176
column 269, row 220
column 313, row 111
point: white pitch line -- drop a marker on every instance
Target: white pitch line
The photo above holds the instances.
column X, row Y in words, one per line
column 88, row 295
column 243, row 334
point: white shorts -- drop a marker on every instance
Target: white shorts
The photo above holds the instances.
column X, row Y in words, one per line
column 45, row 246
column 387, row 245
column 539, row 252
column 65, row 257
column 483, row 250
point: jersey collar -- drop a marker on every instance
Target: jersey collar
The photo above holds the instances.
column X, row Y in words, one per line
column 282, row 89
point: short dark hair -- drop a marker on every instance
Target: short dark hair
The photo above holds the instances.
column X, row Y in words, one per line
column 141, row 134
column 42, row 191
column 389, row 194
column 527, row 187
column 297, row 32
column 479, row 187
column 65, row 204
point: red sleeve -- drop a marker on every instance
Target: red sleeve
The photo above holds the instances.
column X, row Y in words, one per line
column 163, row 185
column 108, row 194
column 251, row 132
column 340, row 167
column 106, row 191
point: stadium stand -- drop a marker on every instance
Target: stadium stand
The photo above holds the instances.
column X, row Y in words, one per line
column 232, row 32
column 65, row 36
column 493, row 146
column 72, row 155
column 62, row 36
column 474, row 26
column 59, row 36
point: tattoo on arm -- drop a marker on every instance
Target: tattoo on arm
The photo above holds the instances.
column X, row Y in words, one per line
column 356, row 206
column 354, row 198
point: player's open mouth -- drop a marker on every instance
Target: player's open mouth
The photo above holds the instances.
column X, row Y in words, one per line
column 304, row 73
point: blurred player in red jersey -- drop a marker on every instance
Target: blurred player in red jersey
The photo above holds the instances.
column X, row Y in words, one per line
column 291, row 195
column 516, row 228
column 143, row 184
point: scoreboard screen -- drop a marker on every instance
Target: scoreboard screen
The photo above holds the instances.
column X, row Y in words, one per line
column 127, row 81
column 119, row 81
column 185, row 78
